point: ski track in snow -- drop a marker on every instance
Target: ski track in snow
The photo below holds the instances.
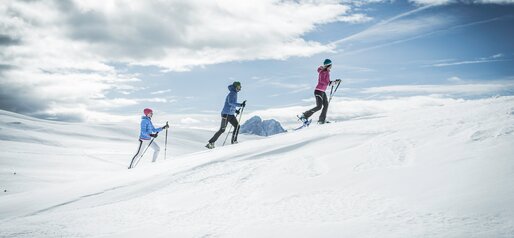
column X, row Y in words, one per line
column 357, row 178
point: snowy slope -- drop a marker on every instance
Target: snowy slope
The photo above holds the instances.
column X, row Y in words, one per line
column 440, row 170
column 44, row 152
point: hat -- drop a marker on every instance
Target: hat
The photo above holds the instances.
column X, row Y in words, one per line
column 147, row 111
column 236, row 84
column 327, row 62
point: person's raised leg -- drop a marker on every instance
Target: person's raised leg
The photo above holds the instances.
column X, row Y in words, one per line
column 223, row 126
column 319, row 104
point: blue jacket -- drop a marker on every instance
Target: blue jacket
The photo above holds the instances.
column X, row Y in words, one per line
column 147, row 128
column 231, row 102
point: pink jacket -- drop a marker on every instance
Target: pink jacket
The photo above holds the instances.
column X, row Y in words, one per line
column 323, row 79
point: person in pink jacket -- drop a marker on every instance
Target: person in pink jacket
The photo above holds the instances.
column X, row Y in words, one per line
column 319, row 93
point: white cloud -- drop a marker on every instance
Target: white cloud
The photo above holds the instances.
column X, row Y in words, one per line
column 189, row 120
column 55, row 54
column 440, row 2
column 406, row 25
column 294, row 88
column 454, row 79
column 178, row 35
column 466, row 89
column 494, row 58
column 355, row 18
column 432, row 2
column 161, row 91
column 160, row 100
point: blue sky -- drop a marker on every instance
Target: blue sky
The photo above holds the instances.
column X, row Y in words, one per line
column 68, row 60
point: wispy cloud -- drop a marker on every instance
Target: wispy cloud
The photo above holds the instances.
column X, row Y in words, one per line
column 355, row 18
column 382, row 28
column 466, row 89
column 455, row 79
column 291, row 86
column 161, row 100
column 380, row 38
column 494, row 58
column 441, row 2
column 405, row 26
column 161, row 91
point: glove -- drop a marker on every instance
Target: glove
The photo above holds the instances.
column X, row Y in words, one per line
column 335, row 81
column 243, row 104
column 166, row 127
column 237, row 112
column 154, row 135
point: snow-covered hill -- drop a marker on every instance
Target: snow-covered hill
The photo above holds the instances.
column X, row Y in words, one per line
column 439, row 170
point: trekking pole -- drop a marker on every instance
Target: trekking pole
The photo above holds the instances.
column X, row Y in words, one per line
column 166, row 140
column 240, row 118
column 227, row 134
column 240, row 115
column 332, row 91
column 144, row 151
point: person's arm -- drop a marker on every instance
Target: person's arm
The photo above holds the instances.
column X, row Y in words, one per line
column 157, row 130
column 152, row 129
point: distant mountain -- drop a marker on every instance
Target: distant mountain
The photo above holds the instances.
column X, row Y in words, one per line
column 257, row 126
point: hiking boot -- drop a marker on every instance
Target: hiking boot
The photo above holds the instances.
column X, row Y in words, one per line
column 302, row 117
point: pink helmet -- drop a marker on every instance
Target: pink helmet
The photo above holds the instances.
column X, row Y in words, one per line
column 147, row 111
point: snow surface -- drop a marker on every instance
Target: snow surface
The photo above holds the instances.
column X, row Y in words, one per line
column 413, row 167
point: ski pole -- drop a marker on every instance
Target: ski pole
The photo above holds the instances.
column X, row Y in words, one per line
column 236, row 130
column 230, row 129
column 334, row 91
column 166, row 140
column 139, row 159
column 228, row 133
column 134, row 158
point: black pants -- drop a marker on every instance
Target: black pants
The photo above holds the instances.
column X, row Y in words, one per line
column 225, row 119
column 321, row 101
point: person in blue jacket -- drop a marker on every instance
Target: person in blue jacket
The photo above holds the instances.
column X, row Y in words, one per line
column 228, row 114
column 148, row 131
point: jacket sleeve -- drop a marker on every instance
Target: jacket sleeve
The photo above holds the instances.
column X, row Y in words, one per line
column 153, row 129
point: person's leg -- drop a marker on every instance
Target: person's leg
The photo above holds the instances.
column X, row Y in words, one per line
column 138, row 153
column 323, row 114
column 233, row 120
column 156, row 148
column 224, row 123
column 319, row 104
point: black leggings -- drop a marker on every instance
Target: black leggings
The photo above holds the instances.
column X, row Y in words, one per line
column 225, row 119
column 321, row 101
